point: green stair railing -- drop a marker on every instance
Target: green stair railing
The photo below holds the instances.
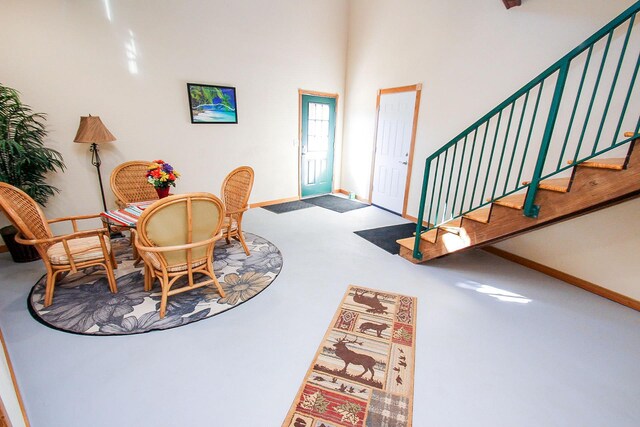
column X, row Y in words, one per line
column 578, row 107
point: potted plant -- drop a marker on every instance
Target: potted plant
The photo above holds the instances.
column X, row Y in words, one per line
column 24, row 160
column 161, row 175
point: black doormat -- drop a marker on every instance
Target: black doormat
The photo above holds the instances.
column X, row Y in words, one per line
column 288, row 206
column 385, row 237
column 335, row 203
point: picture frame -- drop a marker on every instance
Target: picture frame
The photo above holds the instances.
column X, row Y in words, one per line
column 212, row 104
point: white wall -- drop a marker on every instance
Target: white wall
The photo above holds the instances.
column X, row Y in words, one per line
column 601, row 247
column 129, row 62
column 470, row 55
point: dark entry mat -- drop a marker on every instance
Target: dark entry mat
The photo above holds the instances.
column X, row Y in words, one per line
column 385, row 237
column 288, row 206
column 335, row 203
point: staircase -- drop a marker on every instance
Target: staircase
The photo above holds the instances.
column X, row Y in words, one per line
column 552, row 151
column 593, row 185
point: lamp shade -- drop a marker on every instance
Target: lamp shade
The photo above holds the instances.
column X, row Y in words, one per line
column 92, row 130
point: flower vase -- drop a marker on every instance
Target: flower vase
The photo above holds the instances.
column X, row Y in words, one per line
column 162, row 192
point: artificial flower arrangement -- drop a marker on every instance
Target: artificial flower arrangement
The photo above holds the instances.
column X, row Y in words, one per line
column 161, row 175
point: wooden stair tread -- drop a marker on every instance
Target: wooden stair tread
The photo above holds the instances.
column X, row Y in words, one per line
column 452, row 223
column 406, row 242
column 513, row 201
column 430, row 236
column 452, row 226
column 561, row 185
column 479, row 215
column 614, row 163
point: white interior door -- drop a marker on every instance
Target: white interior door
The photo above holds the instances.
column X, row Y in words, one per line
column 393, row 142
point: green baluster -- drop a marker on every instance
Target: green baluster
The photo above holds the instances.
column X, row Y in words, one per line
column 515, row 145
column 423, row 198
column 526, row 146
column 613, row 84
column 475, row 184
column 455, row 197
column 504, row 146
column 575, row 107
column 530, row 209
column 493, row 148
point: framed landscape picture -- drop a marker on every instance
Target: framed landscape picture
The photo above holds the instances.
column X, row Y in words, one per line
column 212, row 104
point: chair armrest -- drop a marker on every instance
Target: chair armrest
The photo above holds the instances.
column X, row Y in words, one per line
column 56, row 239
column 74, row 220
column 64, row 239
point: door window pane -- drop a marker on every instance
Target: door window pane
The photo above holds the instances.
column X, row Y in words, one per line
column 318, row 127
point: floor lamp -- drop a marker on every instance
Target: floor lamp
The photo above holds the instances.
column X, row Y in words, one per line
column 94, row 132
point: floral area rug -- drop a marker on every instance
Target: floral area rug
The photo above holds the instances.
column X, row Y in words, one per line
column 83, row 304
column 363, row 371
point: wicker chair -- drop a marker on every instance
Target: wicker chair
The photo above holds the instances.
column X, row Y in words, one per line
column 64, row 253
column 129, row 184
column 176, row 237
column 236, row 189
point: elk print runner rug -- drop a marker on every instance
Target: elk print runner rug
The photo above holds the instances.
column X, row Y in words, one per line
column 363, row 371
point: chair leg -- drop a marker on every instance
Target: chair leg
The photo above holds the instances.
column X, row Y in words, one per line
column 61, row 276
column 211, row 273
column 137, row 259
column 163, row 302
column 217, row 284
column 48, row 290
column 112, row 258
column 113, row 287
column 228, row 235
column 241, row 238
column 148, row 278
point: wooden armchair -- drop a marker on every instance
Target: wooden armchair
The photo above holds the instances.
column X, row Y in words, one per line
column 69, row 252
column 175, row 237
column 129, row 184
column 236, row 189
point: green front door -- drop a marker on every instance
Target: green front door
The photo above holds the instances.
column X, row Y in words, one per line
column 318, row 135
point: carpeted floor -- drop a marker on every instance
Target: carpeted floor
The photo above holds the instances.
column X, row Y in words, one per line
column 335, row 203
column 83, row 304
column 372, row 331
column 385, row 237
column 288, row 206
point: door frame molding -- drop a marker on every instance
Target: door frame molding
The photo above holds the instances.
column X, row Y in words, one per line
column 416, row 110
column 323, row 95
column 12, row 374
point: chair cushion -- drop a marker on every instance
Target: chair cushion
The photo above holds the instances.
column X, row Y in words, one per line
column 155, row 261
column 82, row 249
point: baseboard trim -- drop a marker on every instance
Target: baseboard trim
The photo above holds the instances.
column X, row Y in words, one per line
column 293, row 199
column 273, row 202
column 346, row 192
column 3, row 344
column 572, row 280
column 414, row 219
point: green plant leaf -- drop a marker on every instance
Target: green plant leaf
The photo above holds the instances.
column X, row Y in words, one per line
column 24, row 159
